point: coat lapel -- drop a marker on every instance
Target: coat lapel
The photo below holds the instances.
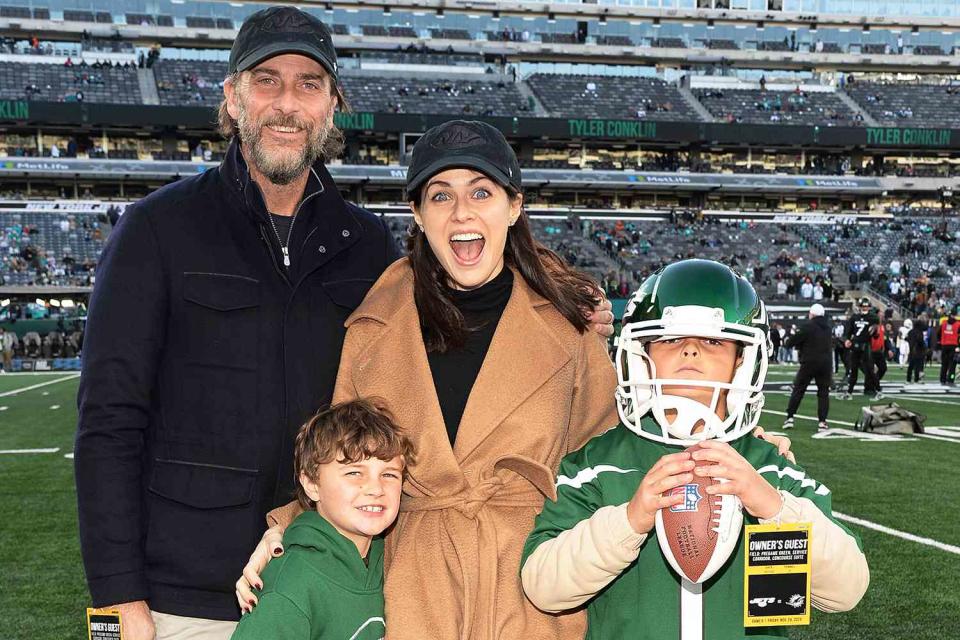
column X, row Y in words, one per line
column 522, row 356
column 401, row 372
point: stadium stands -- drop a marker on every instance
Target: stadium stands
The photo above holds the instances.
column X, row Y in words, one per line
column 45, row 248
column 765, row 253
column 791, row 107
column 76, row 83
column 920, row 254
column 558, row 38
column 620, row 41
column 184, row 82
column 451, row 34
column 414, row 95
column 582, row 96
column 918, row 105
column 722, row 44
column 668, row 43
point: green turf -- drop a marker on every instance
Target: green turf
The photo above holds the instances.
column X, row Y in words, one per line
column 11, row 381
column 914, row 592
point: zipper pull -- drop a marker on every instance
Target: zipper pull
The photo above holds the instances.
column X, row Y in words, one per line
column 286, row 256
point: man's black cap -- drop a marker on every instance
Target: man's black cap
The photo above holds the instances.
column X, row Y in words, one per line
column 277, row 30
column 463, row 143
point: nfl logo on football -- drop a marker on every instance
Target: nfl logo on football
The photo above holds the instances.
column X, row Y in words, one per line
column 691, row 498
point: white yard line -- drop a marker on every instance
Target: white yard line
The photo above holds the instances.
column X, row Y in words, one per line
column 11, row 451
column 14, row 374
column 928, row 436
column 38, row 385
column 936, row 544
column 922, row 399
column 797, row 415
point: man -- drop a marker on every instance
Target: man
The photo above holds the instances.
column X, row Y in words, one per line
column 214, row 332
column 881, row 349
column 775, row 342
column 917, row 345
column 949, row 331
column 839, row 351
column 8, row 341
column 813, row 340
column 860, row 328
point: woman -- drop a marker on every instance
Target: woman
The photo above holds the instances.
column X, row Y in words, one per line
column 478, row 343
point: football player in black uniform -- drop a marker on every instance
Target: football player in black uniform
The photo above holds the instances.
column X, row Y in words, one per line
column 861, row 326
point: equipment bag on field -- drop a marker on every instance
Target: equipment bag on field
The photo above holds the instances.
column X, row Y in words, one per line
column 889, row 418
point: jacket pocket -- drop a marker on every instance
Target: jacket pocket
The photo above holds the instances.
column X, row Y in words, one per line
column 201, row 485
column 347, row 294
column 202, row 522
column 221, row 319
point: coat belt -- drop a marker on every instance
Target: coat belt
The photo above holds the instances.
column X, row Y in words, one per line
column 473, row 532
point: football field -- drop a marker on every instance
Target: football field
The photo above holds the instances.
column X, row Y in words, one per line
column 883, row 486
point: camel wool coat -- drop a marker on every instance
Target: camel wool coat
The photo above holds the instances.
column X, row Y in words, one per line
column 452, row 562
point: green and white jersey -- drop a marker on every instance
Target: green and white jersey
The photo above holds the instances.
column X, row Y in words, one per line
column 647, row 601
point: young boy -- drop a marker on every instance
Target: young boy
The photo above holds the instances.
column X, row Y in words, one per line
column 691, row 362
column 349, row 462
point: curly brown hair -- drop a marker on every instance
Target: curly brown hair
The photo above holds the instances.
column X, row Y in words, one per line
column 347, row 432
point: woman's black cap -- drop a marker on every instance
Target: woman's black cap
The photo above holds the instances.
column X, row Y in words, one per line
column 277, row 30
column 464, row 144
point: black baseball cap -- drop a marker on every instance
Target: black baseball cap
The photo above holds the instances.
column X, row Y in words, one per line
column 276, row 30
column 463, row 143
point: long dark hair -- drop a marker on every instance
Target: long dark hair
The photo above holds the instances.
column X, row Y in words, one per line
column 573, row 294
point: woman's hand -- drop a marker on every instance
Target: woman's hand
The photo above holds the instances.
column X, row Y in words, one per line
column 757, row 495
column 669, row 472
column 782, row 443
column 601, row 320
column 270, row 547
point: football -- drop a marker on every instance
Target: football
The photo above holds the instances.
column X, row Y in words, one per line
column 698, row 535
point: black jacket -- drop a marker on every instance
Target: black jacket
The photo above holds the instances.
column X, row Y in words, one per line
column 915, row 338
column 814, row 341
column 202, row 359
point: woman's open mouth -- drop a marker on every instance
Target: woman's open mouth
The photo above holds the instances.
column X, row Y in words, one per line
column 467, row 247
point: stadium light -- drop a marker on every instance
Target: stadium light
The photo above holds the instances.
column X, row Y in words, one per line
column 5, row 302
column 40, row 302
column 54, row 303
column 67, row 303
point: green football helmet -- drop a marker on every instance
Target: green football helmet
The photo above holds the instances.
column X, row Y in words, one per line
column 700, row 298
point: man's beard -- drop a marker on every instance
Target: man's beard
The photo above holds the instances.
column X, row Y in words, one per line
column 281, row 164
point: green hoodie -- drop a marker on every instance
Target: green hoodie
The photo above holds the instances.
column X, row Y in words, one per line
column 319, row 589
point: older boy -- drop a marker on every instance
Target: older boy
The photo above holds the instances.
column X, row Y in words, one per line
column 349, row 463
column 691, row 361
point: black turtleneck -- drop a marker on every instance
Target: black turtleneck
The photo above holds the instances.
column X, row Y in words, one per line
column 455, row 371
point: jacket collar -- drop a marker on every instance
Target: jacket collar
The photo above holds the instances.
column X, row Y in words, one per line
column 504, row 382
column 337, row 227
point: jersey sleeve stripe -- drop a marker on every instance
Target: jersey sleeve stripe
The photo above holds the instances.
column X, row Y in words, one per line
column 799, row 476
column 589, row 475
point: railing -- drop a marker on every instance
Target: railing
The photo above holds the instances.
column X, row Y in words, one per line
column 898, row 309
